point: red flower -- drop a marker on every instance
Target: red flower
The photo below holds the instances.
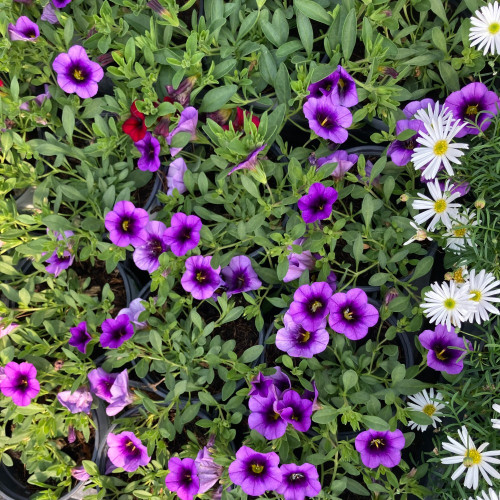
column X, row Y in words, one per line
column 1, row 83
column 239, row 122
column 135, row 126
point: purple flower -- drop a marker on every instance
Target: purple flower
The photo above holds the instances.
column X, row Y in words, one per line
column 401, row 151
column 299, row 262
column 116, row 331
column 76, row 402
column 298, row 342
column 344, row 162
column 49, row 14
column 133, row 311
column 264, row 418
column 473, row 102
column 120, row 395
column 331, row 279
column 260, row 385
column 126, row 224
column 299, row 481
column 327, row 119
column 255, row 472
column 339, row 86
column 250, row 162
column 101, row 383
column 411, row 108
column 61, row 3
column 39, row 99
column 183, row 234
column 187, row 123
column 147, row 256
column 175, row 176
column 59, row 263
column 380, row 447
column 76, row 73
column 126, row 451
column 80, row 337
column 5, row 330
column 295, row 410
column 79, row 473
column 24, row 30
column 183, row 478
column 446, row 350
column 313, row 397
column 20, row 383
column 183, row 92
column 351, row 315
column 280, row 380
column 462, row 188
column 149, row 147
column 208, row 471
column 317, row 203
column 200, row 279
column 71, row 434
column 239, row 276
column 310, row 305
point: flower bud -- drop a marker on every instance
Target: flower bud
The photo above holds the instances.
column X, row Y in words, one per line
column 404, row 198
column 480, row 203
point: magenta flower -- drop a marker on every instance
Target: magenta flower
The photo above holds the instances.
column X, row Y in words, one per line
column 260, row 385
column 380, row 448
column 175, row 176
column 149, row 147
column 411, row 108
column 127, row 451
column 183, row 234
column 5, row 330
column 344, row 162
column 79, row 473
column 250, row 162
column 208, row 471
column 264, row 418
column 339, row 86
column 187, row 123
column 317, row 203
column 310, row 305
column 239, row 276
column 295, row 410
column 120, row 394
column 299, row 262
column 401, row 151
column 76, row 73
column 76, row 402
column 351, row 315
column 61, row 3
column 58, row 263
column 147, row 256
column 299, row 481
column 126, row 224
column 183, row 478
column 133, row 311
column 200, row 279
column 20, row 383
column 255, row 472
column 116, row 331
column 49, row 14
column 101, row 383
column 80, row 337
column 24, row 30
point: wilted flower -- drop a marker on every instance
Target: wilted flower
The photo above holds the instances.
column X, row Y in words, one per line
column 187, row 123
column 175, row 176
column 76, row 402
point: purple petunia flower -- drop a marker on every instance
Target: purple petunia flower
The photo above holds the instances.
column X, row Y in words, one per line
column 80, row 337
column 183, row 234
column 411, row 108
column 24, row 30
column 175, row 176
column 327, row 119
column 116, row 331
column 187, row 123
column 126, row 224
column 120, row 394
column 310, row 305
column 49, row 14
column 183, row 92
column 299, row 262
column 57, row 263
column 208, row 471
column 76, row 402
column 317, row 203
column 101, row 383
column 149, row 147
column 200, row 279
column 76, row 73
column 339, row 86
column 473, row 102
column 280, row 380
column 146, row 256
column 183, row 478
column 260, row 385
column 40, row 99
column 255, row 472
column 127, row 451
column 446, row 350
column 344, row 162
column 401, row 151
column 239, row 276
column 299, row 481
column 351, row 315
column 20, row 383
column 298, row 342
column 264, row 418
column 380, row 447
column 133, row 311
column 61, row 3
column 79, row 473
column 313, row 397
column 250, row 162
column 5, row 330
column 295, row 410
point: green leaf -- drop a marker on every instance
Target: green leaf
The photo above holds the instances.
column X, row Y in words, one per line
column 251, row 354
column 375, row 423
column 438, row 9
column 349, row 34
column 378, row 279
column 449, row 76
column 306, row 34
column 349, row 379
column 398, row 373
column 357, row 248
column 399, row 304
column 419, row 417
column 313, row 10
column 422, row 268
column 216, row 98
column 156, row 341
column 68, row 120
column 324, row 416
column 207, row 399
column 130, row 51
column 438, row 39
column 405, row 134
column 57, row 223
column 367, row 209
column 282, row 84
column 248, row 23
column 250, row 186
column 267, row 66
column 90, row 467
column 68, row 31
column 409, row 387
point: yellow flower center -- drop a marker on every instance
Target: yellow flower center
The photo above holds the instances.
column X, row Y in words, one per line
column 471, row 110
column 429, row 410
column 476, row 295
column 200, row 277
column 494, row 28
column 315, row 305
column 257, row 468
column 460, row 233
column 449, row 304
column 440, row 206
column 377, row 442
column 472, row 457
column 324, row 122
column 125, row 224
column 77, row 73
column 440, row 355
column 341, row 83
column 348, row 314
column 304, row 337
column 458, row 276
column 440, row 147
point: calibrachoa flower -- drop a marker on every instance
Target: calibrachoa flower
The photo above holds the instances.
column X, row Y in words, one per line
column 351, row 315
column 295, row 410
column 175, row 176
column 80, row 337
column 24, row 30
column 120, row 395
column 310, row 305
column 344, row 162
column 200, row 279
column 49, row 14
column 239, row 276
column 61, row 3
column 239, row 122
column 183, row 92
column 208, row 471
column 79, row 473
column 446, row 350
column 5, row 330
column 471, row 459
column 485, row 30
column 183, row 234
column 126, row 224
column 20, row 383
column 264, row 418
column 135, row 126
column 101, row 383
column 133, row 311
column 76, row 402
column 299, row 262
column 427, row 403
column 380, row 447
column 149, row 147
column 182, row 478
column 412, row 107
column 299, row 481
column 255, row 472
column 116, row 331
column 146, row 256
column 127, row 451
column 76, row 73
column 339, row 86
column 250, row 162
column 58, row 263
column 317, row 203
column 401, row 151
column 485, row 290
column 187, row 123
column 260, row 385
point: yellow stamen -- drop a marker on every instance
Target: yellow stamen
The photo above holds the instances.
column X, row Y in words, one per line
column 315, row 305
column 341, row 83
column 200, row 276
column 348, row 314
column 429, row 410
column 472, row 457
column 304, row 337
column 471, row 110
column 440, row 355
column 257, row 468
column 324, row 122
column 494, row 28
column 440, row 147
column 449, row 304
column 377, row 442
column 77, row 73
column 440, row 206
column 125, row 224
column 476, row 295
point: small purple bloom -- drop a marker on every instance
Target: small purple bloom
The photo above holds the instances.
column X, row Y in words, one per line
column 317, row 203
column 126, row 224
column 280, row 381
column 250, row 162
column 183, row 234
column 39, row 99
column 59, row 263
column 299, row 481
column 200, row 279
column 149, row 147
column 20, row 383
column 208, row 471
column 310, row 305
column 133, row 311
column 313, row 397
column 79, row 473
column 411, row 108
column 327, row 119
column 116, row 331
column 344, row 162
column 5, row 330
column 299, row 262
column 446, row 350
column 71, row 434
column 175, row 176
column 61, row 3
column 76, row 73
column 183, row 478
column 24, row 30
column 80, row 337
column 183, row 92
column 146, row 256
column 351, row 315
column 120, row 395
column 101, row 383
column 255, row 472
column 127, row 451
column 260, row 385
column 187, row 123
column 264, row 418
column 380, row 447
column 76, row 402
column 49, row 14
column 339, row 86
column 239, row 276
column 331, row 279
column 401, row 151
column 295, row 410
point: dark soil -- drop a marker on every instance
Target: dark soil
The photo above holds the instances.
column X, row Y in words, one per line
column 142, row 194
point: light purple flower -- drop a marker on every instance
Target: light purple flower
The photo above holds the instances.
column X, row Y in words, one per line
column 239, row 276
column 120, row 394
column 299, row 262
column 310, row 305
column 146, row 256
column 380, row 447
column 101, row 383
column 126, row 224
column 116, row 331
column 200, row 279
column 127, row 451
column 57, row 263
column 80, row 337
column 149, row 147
column 299, row 481
column 401, row 151
column 76, row 402
column 317, row 203
column 79, row 473
column 49, row 14
column 183, row 478
column 5, row 330
column 264, row 418
column 133, row 311
column 250, row 162
column 344, row 162
column 20, row 383
column 294, row 410
column 39, row 99
column 208, row 471
column 175, row 176
column 411, row 108
column 187, row 123
column 24, row 30
column 183, row 234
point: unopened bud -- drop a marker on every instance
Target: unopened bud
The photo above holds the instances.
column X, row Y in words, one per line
column 390, row 296
column 404, row 198
column 480, row 203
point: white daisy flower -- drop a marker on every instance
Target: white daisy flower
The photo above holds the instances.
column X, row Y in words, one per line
column 420, row 235
column 430, row 115
column 428, row 404
column 484, row 289
column 471, row 459
column 447, row 304
column 495, row 422
column 439, row 207
column 457, row 236
column 487, row 495
column 485, row 30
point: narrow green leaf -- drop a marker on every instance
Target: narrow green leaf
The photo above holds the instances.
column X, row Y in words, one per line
column 349, row 34
column 68, row 120
column 313, row 10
